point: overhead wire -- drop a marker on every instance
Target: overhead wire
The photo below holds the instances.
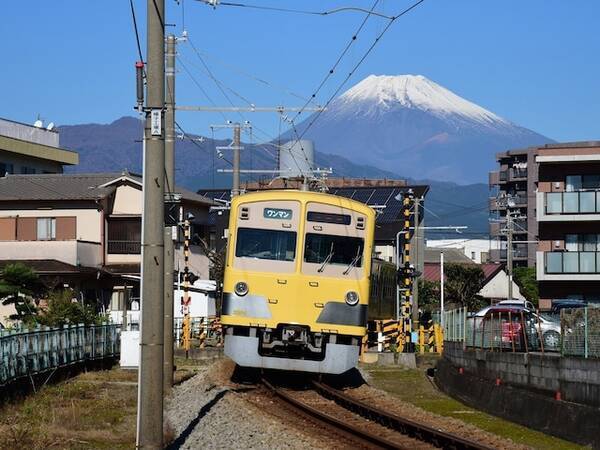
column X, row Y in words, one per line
column 292, row 10
column 359, row 63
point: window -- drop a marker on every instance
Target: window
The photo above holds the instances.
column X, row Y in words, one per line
column 6, row 168
column 265, row 244
column 46, row 229
column 340, row 219
column 27, row 170
column 573, row 183
column 343, row 249
column 124, row 236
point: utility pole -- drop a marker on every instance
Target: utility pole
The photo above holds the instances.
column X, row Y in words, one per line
column 236, row 147
column 509, row 252
column 415, row 286
column 169, row 250
column 236, row 160
column 150, row 378
column 442, row 288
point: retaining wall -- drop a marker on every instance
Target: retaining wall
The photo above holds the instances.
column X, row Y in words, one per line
column 527, row 389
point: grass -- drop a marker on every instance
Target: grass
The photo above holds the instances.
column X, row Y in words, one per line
column 92, row 410
column 413, row 387
column 71, row 415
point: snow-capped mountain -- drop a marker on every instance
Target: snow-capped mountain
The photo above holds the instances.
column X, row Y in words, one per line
column 411, row 125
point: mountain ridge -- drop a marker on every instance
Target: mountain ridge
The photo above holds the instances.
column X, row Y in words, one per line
column 412, row 125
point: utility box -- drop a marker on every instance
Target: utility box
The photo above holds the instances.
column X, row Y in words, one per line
column 130, row 349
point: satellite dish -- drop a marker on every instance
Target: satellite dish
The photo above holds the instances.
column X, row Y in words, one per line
column 38, row 124
column 50, row 126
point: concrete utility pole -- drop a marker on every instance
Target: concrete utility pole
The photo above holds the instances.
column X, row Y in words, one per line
column 169, row 252
column 442, row 289
column 150, row 379
column 236, row 160
column 509, row 252
column 415, row 286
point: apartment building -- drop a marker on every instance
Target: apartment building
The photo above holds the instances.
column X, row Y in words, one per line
column 84, row 231
column 568, row 216
column 513, row 187
column 27, row 149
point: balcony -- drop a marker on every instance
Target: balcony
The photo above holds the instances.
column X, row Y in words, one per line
column 520, row 252
column 568, row 266
column 116, row 247
column 74, row 252
column 568, row 206
column 572, row 262
column 517, row 174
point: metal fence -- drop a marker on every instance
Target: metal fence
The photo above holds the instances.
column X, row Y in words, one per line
column 454, row 324
column 581, row 332
column 204, row 331
column 504, row 331
column 30, row 352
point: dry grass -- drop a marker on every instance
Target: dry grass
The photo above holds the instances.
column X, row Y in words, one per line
column 92, row 410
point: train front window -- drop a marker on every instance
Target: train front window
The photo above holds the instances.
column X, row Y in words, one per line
column 265, row 244
column 332, row 249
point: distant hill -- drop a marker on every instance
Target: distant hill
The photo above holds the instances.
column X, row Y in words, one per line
column 117, row 146
column 408, row 124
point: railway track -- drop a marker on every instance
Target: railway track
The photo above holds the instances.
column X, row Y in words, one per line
column 362, row 424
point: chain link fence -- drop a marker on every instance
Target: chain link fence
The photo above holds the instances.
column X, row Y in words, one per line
column 580, row 332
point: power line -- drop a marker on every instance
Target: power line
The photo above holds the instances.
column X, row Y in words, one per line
column 359, row 63
column 215, row 3
column 186, row 136
column 135, row 29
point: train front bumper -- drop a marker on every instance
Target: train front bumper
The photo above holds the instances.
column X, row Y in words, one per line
column 339, row 358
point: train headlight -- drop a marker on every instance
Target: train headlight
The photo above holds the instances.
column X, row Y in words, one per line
column 241, row 288
column 352, row 298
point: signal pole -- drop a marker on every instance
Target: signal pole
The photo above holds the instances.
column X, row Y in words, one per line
column 169, row 251
column 150, row 379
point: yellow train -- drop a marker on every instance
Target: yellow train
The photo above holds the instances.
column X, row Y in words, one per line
column 297, row 280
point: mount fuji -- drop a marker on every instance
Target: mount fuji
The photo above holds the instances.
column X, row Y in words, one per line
column 412, row 126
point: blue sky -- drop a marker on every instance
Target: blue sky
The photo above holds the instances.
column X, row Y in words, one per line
column 533, row 62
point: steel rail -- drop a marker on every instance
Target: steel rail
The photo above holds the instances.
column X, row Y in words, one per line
column 405, row 426
column 347, row 430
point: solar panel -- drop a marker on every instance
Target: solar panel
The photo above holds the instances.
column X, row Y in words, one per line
column 380, row 196
column 362, row 195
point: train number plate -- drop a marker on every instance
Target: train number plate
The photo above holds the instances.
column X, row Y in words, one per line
column 277, row 213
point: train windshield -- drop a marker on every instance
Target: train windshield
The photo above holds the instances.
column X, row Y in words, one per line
column 333, row 249
column 266, row 244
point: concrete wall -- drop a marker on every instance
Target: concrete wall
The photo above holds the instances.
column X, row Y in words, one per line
column 72, row 252
column 577, row 379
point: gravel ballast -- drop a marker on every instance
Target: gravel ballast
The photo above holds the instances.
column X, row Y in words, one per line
column 208, row 411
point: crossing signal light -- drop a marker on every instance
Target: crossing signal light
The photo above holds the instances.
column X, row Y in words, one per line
column 191, row 276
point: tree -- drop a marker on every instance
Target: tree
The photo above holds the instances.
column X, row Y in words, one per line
column 429, row 295
column 463, row 282
column 526, row 280
column 18, row 285
column 62, row 310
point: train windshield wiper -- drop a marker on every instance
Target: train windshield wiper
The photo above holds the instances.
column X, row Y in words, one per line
column 326, row 260
column 353, row 262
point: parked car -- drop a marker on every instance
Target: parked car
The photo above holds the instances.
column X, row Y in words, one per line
column 516, row 302
column 548, row 327
column 558, row 305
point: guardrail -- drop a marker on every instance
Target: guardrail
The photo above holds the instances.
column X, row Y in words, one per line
column 577, row 202
column 31, row 352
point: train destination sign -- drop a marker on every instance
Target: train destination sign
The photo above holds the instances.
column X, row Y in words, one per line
column 277, row 213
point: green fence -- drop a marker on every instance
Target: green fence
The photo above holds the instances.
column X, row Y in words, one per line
column 30, row 352
column 454, row 324
column 581, row 332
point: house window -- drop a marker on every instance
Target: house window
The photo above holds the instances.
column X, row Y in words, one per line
column 124, row 236
column 46, row 229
